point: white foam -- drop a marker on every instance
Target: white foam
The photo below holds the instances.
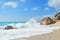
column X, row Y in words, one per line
column 27, row 29
column 25, row 32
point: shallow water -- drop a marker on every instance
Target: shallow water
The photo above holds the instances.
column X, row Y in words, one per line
column 5, row 23
column 25, row 30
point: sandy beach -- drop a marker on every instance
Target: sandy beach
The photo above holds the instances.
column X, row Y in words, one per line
column 57, row 23
column 48, row 36
column 29, row 19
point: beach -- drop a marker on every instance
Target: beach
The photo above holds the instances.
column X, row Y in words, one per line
column 55, row 35
column 34, row 31
column 31, row 30
column 48, row 36
column 29, row 19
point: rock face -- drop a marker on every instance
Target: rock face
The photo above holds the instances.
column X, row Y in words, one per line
column 9, row 27
column 56, row 17
column 46, row 21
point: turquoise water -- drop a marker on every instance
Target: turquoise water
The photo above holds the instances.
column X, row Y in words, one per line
column 5, row 23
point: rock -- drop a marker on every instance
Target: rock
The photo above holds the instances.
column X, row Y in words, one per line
column 9, row 27
column 56, row 17
column 46, row 21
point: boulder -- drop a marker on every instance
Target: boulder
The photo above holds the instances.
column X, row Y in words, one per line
column 9, row 27
column 46, row 21
column 56, row 17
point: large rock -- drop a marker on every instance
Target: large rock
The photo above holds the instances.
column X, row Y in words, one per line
column 9, row 27
column 46, row 21
column 56, row 17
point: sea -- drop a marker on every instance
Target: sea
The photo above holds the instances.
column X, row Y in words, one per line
column 25, row 29
column 5, row 23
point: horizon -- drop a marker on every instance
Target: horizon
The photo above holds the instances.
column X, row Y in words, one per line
column 23, row 10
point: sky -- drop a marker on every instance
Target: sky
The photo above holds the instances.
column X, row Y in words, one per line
column 23, row 10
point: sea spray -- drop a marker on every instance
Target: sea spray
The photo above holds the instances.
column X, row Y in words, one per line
column 27, row 29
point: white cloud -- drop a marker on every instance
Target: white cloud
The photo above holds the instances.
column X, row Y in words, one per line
column 12, row 4
column 54, row 3
column 47, row 9
column 23, row 0
column 35, row 9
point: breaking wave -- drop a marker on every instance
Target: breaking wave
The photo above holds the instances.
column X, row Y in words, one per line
column 30, row 28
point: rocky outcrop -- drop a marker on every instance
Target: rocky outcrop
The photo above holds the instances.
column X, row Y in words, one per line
column 9, row 27
column 56, row 17
column 46, row 21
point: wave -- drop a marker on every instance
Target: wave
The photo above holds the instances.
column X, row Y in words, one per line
column 27, row 29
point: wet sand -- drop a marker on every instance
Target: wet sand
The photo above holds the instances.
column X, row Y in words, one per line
column 49, row 36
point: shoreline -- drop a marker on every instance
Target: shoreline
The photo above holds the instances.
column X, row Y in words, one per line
column 48, row 36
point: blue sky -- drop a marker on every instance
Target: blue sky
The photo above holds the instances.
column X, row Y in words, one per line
column 23, row 10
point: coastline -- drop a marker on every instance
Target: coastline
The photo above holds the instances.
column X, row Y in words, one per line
column 48, row 36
